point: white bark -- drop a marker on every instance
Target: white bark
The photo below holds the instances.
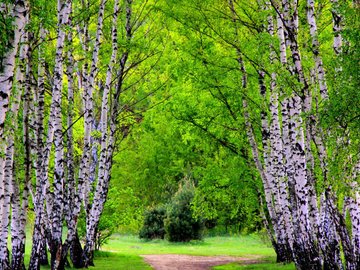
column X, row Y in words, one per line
column 18, row 212
column 4, row 189
column 354, row 210
column 39, row 197
column 107, row 142
column 19, row 13
column 278, row 171
column 328, row 239
column 316, row 50
column 337, row 28
column 259, row 166
column 64, row 9
column 88, row 84
column 310, row 124
column 299, row 163
column 71, row 208
column 281, row 36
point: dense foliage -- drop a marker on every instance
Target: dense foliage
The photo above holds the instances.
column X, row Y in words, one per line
column 180, row 223
column 153, row 227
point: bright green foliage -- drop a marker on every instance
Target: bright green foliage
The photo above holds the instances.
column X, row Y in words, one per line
column 153, row 226
column 180, row 224
column 123, row 212
column 227, row 199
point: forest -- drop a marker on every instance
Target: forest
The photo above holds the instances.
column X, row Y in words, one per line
column 111, row 108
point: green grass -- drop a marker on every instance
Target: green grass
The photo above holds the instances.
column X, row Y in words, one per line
column 123, row 252
column 111, row 261
column 260, row 266
column 249, row 246
column 245, row 246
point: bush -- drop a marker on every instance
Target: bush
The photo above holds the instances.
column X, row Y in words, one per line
column 180, row 225
column 154, row 224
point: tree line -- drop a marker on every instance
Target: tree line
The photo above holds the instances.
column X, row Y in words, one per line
column 67, row 67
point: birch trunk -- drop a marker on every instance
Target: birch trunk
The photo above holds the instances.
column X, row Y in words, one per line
column 72, row 204
column 286, row 228
column 337, row 19
column 84, row 173
column 287, row 165
column 304, row 247
column 38, row 241
column 277, row 170
column 19, row 13
column 17, row 234
column 106, row 147
column 310, row 125
column 328, row 240
column 27, row 115
column 64, row 9
column 270, row 180
column 340, row 225
column 4, row 211
column 306, row 252
column 354, row 210
column 272, row 185
column 316, row 50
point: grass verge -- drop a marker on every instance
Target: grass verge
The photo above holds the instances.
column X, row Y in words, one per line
column 123, row 252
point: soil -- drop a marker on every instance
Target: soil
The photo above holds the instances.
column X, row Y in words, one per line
column 187, row 262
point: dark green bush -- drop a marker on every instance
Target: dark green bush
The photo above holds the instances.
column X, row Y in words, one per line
column 180, row 225
column 153, row 224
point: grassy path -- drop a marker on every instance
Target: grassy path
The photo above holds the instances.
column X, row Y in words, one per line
column 249, row 247
column 124, row 252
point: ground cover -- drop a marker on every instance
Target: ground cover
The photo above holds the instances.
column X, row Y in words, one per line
column 249, row 247
column 124, row 252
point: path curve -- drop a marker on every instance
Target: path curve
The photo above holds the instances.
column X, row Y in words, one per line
column 187, row 262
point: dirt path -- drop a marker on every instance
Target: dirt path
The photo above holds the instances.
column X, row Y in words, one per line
column 186, row 262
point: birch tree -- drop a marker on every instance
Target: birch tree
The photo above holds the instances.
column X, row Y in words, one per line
column 38, row 239
column 18, row 215
column 18, row 13
column 108, row 134
column 291, row 181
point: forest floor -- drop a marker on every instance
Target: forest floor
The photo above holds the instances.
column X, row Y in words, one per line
column 125, row 252
column 219, row 253
column 187, row 262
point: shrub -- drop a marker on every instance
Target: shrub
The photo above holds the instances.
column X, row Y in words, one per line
column 154, row 224
column 180, row 225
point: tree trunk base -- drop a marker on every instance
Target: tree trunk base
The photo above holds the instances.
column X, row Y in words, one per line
column 284, row 253
column 76, row 253
column 4, row 264
column 307, row 258
column 332, row 259
column 17, row 259
column 43, row 256
column 88, row 257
